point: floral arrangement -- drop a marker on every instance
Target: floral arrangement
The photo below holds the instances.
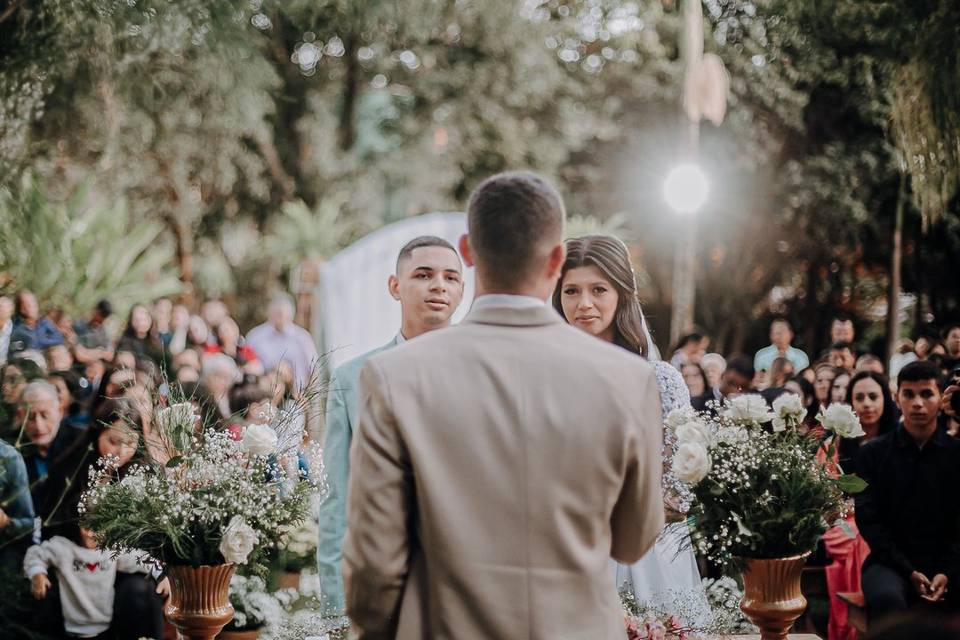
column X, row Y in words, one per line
column 254, row 607
column 724, row 595
column 300, row 548
column 760, row 493
column 644, row 622
column 205, row 498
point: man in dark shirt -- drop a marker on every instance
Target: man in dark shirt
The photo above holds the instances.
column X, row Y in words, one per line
column 909, row 514
column 736, row 379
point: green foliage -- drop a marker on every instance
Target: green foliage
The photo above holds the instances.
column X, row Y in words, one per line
column 299, row 232
column 72, row 254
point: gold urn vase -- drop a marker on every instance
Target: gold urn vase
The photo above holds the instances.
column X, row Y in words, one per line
column 200, row 600
column 771, row 594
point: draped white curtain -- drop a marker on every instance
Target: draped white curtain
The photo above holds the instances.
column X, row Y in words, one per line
column 355, row 313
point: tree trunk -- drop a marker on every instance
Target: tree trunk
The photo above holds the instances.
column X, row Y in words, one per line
column 351, row 89
column 896, row 259
column 183, row 243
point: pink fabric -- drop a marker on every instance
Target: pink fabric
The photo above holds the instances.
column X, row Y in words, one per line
column 843, row 575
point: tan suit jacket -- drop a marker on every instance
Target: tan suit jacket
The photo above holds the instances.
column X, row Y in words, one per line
column 495, row 468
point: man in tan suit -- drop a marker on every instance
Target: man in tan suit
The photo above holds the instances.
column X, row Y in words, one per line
column 499, row 464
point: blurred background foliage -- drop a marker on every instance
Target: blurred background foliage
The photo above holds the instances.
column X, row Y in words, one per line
column 244, row 136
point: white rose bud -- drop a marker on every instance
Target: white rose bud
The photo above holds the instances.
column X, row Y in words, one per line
column 679, row 416
column 789, row 411
column 841, row 419
column 238, row 541
column 694, row 431
column 691, row 463
column 749, row 408
column 259, row 440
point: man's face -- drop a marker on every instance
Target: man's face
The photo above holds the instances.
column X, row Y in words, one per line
column 429, row 286
column 42, row 419
column 28, row 306
column 780, row 335
column 841, row 331
column 953, row 342
column 842, row 358
column 919, row 402
column 6, row 309
column 280, row 315
column 733, row 383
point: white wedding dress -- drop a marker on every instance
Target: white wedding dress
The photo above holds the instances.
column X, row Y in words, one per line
column 666, row 578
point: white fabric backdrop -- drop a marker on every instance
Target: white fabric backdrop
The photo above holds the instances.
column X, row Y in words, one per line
column 355, row 312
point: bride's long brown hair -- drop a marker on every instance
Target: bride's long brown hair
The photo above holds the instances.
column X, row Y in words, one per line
column 610, row 255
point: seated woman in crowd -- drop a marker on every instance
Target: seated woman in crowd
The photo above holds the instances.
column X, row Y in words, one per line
column 139, row 336
column 869, row 395
column 115, row 432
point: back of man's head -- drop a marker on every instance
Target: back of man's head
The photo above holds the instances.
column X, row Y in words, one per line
column 514, row 221
column 918, row 371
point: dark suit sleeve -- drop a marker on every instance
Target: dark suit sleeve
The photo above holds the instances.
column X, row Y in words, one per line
column 868, row 513
column 380, row 509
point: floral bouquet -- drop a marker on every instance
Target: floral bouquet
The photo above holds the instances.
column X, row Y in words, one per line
column 206, row 498
column 254, row 607
column 761, row 493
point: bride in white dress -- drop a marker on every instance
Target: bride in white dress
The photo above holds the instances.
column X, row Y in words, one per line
column 597, row 293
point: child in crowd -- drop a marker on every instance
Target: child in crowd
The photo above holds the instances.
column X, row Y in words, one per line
column 86, row 577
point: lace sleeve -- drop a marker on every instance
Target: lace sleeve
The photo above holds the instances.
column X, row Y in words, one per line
column 673, row 395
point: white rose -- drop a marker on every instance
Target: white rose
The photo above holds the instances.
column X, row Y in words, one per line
column 841, row 419
column 259, row 440
column 691, row 463
column 238, row 541
column 679, row 416
column 749, row 408
column 789, row 411
column 694, row 431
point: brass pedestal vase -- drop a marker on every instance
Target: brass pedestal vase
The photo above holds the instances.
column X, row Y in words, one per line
column 772, row 599
column 200, row 600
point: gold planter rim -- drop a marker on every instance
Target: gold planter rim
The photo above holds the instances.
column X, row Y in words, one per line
column 780, row 559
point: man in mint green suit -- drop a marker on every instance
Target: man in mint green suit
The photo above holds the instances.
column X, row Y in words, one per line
column 429, row 286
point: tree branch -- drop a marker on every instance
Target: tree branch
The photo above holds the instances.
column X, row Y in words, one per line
column 9, row 11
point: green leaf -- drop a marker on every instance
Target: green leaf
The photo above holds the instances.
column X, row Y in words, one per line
column 174, row 462
column 849, row 483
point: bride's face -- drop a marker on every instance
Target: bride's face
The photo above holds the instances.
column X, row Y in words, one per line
column 589, row 301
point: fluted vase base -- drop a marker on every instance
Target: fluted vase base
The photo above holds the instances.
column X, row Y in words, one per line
column 772, row 599
column 199, row 600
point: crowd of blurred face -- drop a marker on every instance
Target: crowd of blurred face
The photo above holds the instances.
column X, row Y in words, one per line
column 158, row 353
column 828, row 379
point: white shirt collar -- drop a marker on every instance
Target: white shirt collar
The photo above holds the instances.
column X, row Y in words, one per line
column 507, row 300
column 400, row 338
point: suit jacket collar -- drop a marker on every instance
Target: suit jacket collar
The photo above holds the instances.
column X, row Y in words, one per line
column 513, row 317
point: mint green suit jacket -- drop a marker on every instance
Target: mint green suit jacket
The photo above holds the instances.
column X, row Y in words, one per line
column 341, row 417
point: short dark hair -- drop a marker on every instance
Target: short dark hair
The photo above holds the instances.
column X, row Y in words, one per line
column 510, row 217
column 742, row 365
column 781, row 320
column 950, row 327
column 104, row 308
column 918, row 371
column 420, row 242
column 840, row 346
